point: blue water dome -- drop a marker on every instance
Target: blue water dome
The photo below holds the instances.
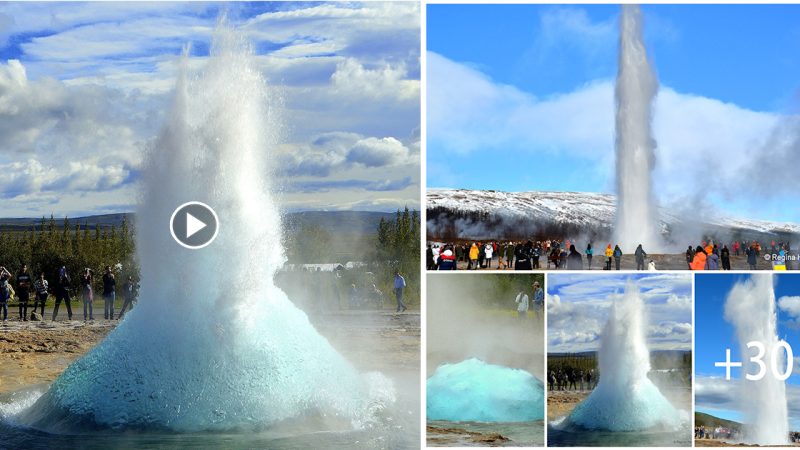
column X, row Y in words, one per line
column 474, row 391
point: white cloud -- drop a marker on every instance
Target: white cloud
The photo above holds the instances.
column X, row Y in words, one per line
column 54, row 138
column 352, row 78
column 791, row 306
column 566, row 26
column 92, row 91
column 696, row 136
column 374, row 152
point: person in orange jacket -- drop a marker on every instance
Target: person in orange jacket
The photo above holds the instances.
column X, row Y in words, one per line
column 609, row 254
column 699, row 261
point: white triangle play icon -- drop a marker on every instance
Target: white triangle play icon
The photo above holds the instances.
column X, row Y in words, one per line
column 193, row 225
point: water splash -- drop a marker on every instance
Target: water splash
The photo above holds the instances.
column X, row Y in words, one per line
column 750, row 307
column 474, row 391
column 637, row 218
column 625, row 399
column 213, row 344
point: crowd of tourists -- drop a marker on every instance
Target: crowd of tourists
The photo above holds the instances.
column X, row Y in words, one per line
column 556, row 254
column 34, row 291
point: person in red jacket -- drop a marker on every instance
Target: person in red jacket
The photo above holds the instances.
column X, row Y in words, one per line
column 447, row 260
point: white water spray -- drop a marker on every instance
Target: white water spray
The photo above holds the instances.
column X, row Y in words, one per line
column 637, row 217
column 213, row 344
column 625, row 399
column 750, row 307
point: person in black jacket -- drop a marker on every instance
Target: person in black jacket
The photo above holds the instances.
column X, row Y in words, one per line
column 429, row 262
column 523, row 257
column 574, row 259
column 24, row 285
column 640, row 256
column 725, row 256
column 62, row 293
column 109, row 293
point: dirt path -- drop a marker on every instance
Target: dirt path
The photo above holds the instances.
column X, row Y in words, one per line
column 37, row 352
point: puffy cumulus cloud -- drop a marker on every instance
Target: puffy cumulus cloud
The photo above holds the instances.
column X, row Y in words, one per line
column 468, row 112
column 563, row 340
column 374, row 152
column 354, row 79
column 671, row 330
column 54, row 137
column 338, row 151
column 791, row 306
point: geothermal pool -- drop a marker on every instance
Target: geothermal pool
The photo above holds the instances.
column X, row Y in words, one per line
column 471, row 401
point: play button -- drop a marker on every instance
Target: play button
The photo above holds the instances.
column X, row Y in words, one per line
column 194, row 225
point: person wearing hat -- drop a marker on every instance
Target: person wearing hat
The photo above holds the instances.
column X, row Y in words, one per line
column 538, row 298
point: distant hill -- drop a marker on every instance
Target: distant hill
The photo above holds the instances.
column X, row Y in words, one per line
column 709, row 421
column 335, row 222
column 102, row 220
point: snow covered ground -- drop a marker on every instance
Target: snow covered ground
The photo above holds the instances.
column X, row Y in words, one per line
column 475, row 214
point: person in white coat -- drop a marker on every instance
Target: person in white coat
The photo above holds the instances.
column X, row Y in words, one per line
column 488, row 250
column 522, row 305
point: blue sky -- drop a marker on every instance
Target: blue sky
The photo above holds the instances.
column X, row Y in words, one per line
column 714, row 334
column 533, row 84
column 85, row 87
column 578, row 306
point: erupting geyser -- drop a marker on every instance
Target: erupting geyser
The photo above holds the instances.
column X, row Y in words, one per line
column 637, row 217
column 625, row 399
column 213, row 344
column 750, row 307
column 474, row 391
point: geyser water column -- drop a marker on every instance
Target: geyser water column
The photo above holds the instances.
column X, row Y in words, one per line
column 750, row 307
column 625, row 399
column 213, row 344
column 637, row 218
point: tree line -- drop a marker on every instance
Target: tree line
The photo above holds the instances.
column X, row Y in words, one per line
column 48, row 246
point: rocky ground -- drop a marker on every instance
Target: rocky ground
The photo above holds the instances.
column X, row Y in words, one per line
column 443, row 437
column 37, row 352
column 561, row 403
